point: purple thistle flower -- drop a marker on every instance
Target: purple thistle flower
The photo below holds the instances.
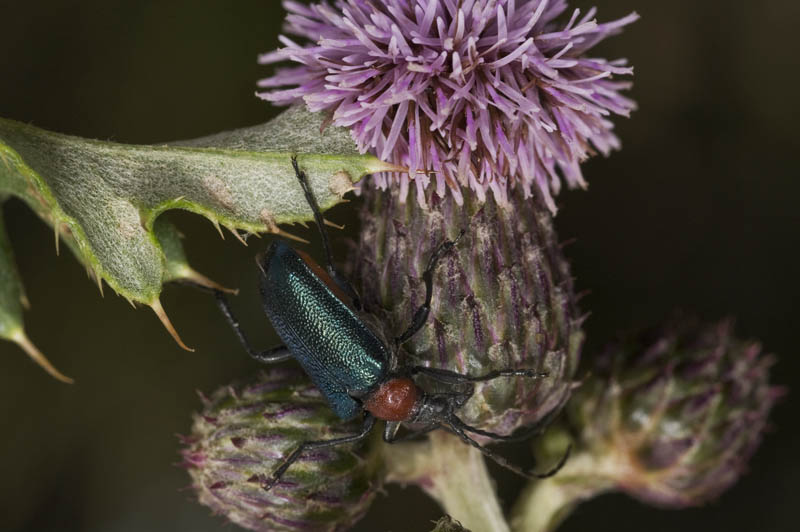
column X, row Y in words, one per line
column 485, row 94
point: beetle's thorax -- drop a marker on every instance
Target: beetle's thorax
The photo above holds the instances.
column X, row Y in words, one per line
column 433, row 408
column 396, row 399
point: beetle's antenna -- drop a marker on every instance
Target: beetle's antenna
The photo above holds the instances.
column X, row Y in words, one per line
column 458, row 427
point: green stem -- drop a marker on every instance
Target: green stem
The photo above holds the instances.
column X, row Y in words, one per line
column 454, row 474
column 544, row 504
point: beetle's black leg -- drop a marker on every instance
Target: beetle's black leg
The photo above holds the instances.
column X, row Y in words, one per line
column 451, row 377
column 343, row 283
column 270, row 356
column 421, row 314
column 369, row 422
column 529, row 432
column 525, row 434
column 458, row 427
column 459, row 431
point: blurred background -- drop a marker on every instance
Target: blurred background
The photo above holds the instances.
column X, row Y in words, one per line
column 698, row 211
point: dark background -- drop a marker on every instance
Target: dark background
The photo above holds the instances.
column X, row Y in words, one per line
column 697, row 211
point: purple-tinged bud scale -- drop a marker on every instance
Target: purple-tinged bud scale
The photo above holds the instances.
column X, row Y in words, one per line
column 679, row 414
column 243, row 434
column 502, row 298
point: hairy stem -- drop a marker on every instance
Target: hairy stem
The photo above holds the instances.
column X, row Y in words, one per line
column 454, row 474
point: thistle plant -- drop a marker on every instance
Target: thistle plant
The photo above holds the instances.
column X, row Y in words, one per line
column 104, row 200
column 670, row 417
column 502, row 299
column 470, row 115
column 486, row 94
column 243, row 433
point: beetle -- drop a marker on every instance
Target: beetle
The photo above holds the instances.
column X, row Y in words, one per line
column 318, row 316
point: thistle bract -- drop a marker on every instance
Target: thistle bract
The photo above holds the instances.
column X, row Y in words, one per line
column 678, row 413
column 244, row 433
column 502, row 298
column 485, row 93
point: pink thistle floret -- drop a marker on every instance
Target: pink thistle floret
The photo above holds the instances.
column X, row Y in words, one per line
column 478, row 94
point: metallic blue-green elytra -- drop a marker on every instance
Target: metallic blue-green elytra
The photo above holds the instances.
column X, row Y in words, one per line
column 343, row 357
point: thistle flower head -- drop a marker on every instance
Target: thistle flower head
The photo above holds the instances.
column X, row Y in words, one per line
column 502, row 298
column 678, row 415
column 245, row 432
column 485, row 94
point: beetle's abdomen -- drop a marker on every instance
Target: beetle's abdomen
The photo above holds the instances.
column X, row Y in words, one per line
column 342, row 356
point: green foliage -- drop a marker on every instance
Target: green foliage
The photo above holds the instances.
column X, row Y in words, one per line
column 103, row 199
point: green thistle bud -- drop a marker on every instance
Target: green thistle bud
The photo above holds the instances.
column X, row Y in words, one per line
column 502, row 298
column 676, row 417
column 244, row 433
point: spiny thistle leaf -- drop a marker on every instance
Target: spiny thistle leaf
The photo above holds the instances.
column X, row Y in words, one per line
column 12, row 301
column 103, row 198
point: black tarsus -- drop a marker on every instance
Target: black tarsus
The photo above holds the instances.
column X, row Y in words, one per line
column 459, row 428
column 421, row 314
column 340, row 280
column 526, row 433
column 456, row 426
column 369, row 422
column 270, row 356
